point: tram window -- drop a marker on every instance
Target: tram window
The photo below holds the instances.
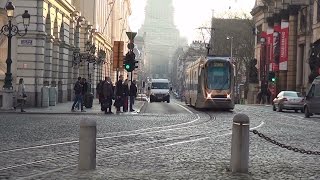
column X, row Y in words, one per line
column 218, row 77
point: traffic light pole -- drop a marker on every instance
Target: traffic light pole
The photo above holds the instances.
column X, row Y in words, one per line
column 117, row 74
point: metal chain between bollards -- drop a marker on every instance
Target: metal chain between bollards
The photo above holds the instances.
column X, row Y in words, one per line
column 300, row 150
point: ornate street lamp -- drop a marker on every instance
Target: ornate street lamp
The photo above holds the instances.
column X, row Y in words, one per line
column 76, row 56
column 11, row 30
column 101, row 60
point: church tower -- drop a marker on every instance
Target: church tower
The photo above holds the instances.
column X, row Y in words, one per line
column 161, row 37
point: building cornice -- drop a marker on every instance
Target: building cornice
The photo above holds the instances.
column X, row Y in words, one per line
column 101, row 38
column 258, row 9
column 65, row 7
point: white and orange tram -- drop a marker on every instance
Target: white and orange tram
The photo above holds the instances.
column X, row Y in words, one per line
column 209, row 83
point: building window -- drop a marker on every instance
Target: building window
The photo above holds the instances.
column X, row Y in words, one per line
column 318, row 12
column 258, row 32
column 303, row 20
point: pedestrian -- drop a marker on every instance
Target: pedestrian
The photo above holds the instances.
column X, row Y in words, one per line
column 21, row 95
column 78, row 95
column 133, row 94
column 125, row 95
column 119, row 94
column 101, row 95
column 107, row 94
column 85, row 88
column 99, row 90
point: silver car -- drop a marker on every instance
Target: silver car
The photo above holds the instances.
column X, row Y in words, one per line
column 289, row 100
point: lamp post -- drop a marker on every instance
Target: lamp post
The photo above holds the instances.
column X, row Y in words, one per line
column 264, row 71
column 100, row 61
column 11, row 30
column 231, row 46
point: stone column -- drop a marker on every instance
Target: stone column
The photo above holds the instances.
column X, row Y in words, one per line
column 292, row 48
column 48, row 60
column 77, row 45
column 70, row 60
column 62, row 69
column 55, row 61
column 299, row 64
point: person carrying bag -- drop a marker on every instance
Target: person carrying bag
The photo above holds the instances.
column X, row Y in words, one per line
column 22, row 96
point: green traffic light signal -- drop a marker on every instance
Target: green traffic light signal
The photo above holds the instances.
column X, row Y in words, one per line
column 127, row 66
column 273, row 79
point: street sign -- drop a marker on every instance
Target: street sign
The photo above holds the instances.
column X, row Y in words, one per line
column 131, row 35
column 118, row 55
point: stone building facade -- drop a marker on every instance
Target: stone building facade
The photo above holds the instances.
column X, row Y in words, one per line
column 45, row 57
column 289, row 30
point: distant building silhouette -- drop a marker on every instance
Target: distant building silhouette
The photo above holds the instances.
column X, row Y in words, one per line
column 161, row 38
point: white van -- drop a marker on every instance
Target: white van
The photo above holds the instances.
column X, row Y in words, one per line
column 159, row 90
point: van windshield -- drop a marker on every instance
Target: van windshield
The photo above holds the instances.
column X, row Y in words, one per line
column 160, row 86
column 317, row 90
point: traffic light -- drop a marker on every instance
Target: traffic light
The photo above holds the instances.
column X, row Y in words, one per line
column 272, row 76
column 129, row 61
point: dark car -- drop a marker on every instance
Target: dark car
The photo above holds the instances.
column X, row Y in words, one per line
column 312, row 100
column 289, row 100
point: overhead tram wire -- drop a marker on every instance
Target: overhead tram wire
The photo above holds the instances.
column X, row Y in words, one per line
column 109, row 15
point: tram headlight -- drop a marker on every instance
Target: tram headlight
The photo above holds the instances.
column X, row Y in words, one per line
column 228, row 96
column 209, row 96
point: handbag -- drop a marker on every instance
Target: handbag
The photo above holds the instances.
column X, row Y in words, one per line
column 105, row 104
column 118, row 102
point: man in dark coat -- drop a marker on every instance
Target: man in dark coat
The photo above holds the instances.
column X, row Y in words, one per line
column 107, row 94
column 125, row 95
column 78, row 88
column 132, row 93
column 119, row 93
column 99, row 90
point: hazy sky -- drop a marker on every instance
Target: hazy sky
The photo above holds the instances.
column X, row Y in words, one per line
column 191, row 14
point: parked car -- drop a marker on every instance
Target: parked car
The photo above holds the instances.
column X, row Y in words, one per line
column 289, row 100
column 312, row 100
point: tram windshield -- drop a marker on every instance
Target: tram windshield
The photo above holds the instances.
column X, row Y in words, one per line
column 218, row 76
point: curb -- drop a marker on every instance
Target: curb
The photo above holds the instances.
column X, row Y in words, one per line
column 64, row 113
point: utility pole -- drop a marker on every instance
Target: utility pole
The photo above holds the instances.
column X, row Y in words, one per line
column 211, row 29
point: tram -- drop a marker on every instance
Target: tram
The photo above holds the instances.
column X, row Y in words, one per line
column 209, row 83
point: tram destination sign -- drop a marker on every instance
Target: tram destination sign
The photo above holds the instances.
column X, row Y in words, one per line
column 218, row 64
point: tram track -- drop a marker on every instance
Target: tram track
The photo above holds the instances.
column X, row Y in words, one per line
column 117, row 144
column 102, row 154
column 114, row 150
column 147, row 131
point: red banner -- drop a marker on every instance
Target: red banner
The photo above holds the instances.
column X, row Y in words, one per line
column 270, row 48
column 276, row 47
column 283, row 65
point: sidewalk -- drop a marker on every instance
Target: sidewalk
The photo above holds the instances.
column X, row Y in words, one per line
column 65, row 108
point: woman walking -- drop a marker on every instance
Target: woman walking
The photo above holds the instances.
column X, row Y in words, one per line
column 21, row 95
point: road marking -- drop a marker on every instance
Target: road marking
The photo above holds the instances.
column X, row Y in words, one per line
column 185, row 108
column 259, row 126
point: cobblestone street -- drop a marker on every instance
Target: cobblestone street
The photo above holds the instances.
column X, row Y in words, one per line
column 182, row 144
